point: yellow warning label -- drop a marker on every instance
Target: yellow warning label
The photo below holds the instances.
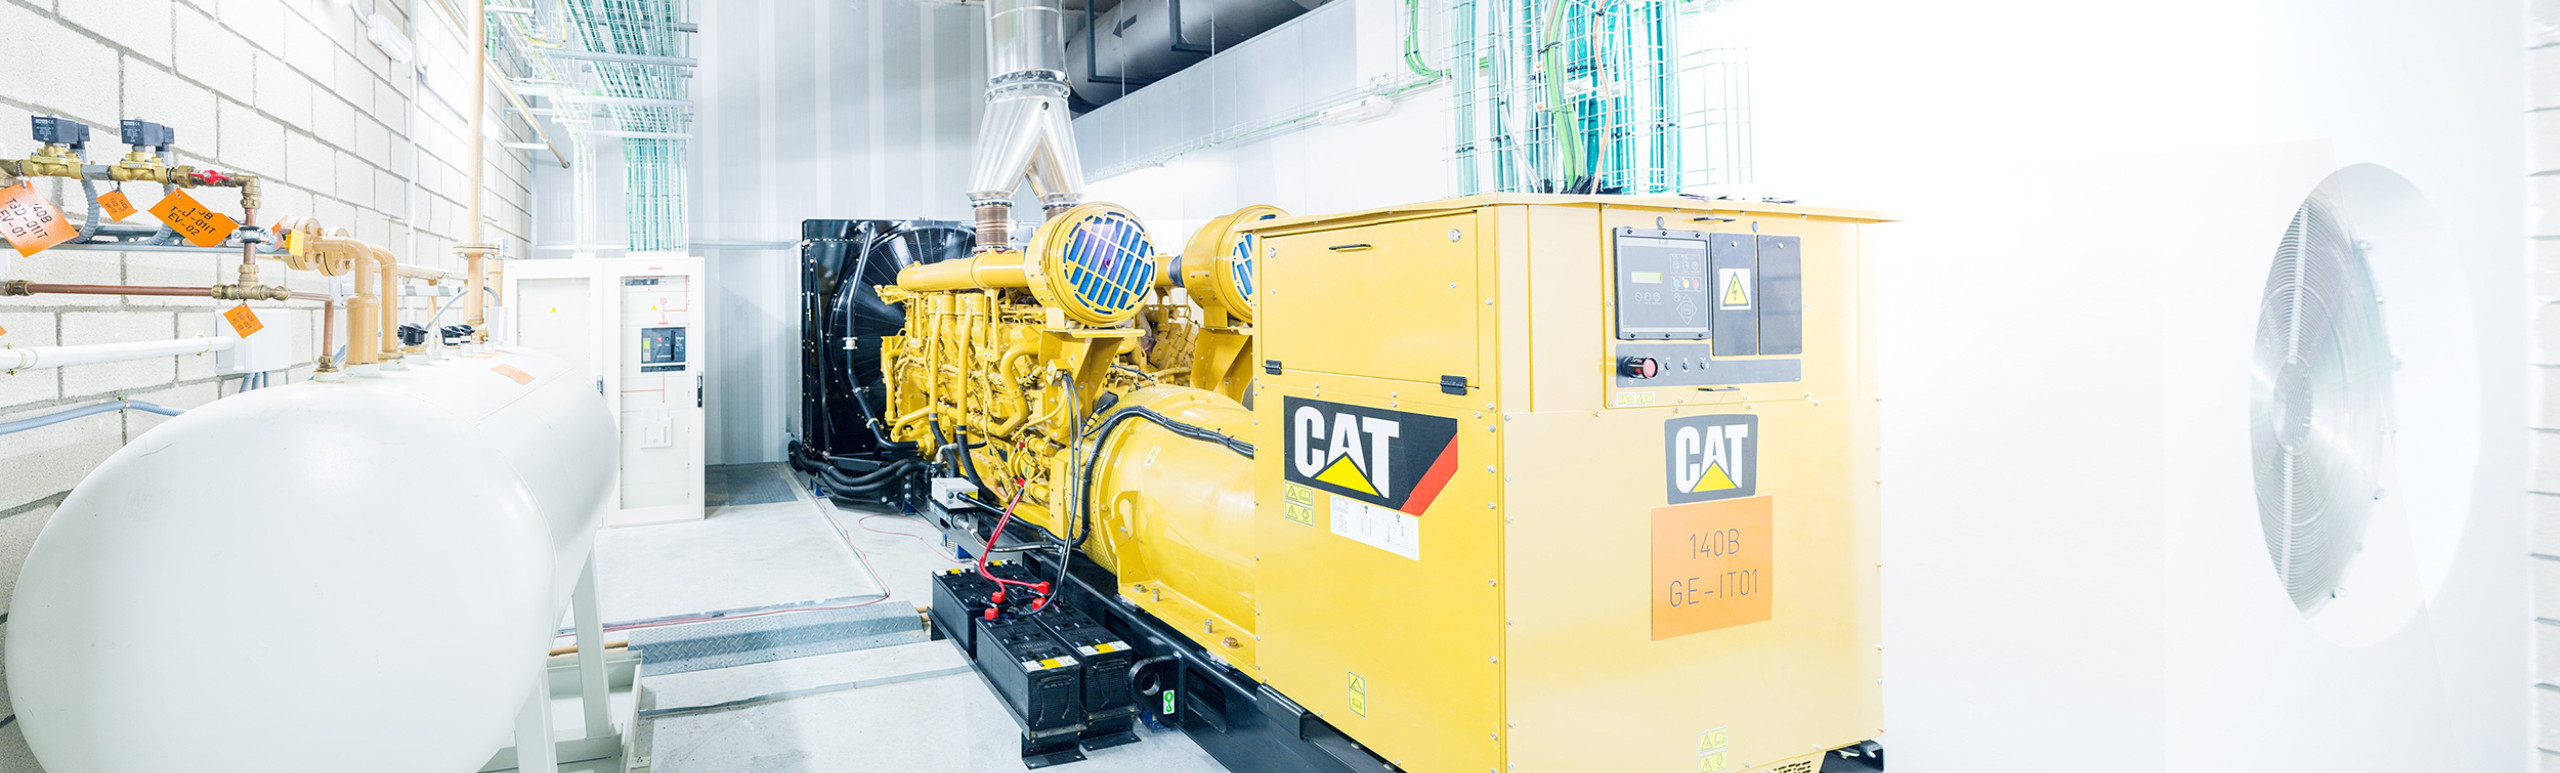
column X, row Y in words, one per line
column 1359, row 695
column 1298, row 503
column 1049, row 663
column 1712, row 762
column 1347, row 475
column 1712, row 740
column 1633, row 400
column 1737, row 288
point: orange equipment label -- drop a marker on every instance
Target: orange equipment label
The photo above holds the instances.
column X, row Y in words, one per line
column 117, row 206
column 29, row 222
column 1711, row 565
column 202, row 226
column 243, row 321
column 514, row 372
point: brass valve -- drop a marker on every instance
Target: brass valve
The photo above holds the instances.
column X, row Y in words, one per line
column 52, row 160
column 141, row 166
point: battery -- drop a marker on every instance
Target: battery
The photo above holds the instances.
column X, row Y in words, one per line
column 1110, row 705
column 1039, row 677
column 960, row 597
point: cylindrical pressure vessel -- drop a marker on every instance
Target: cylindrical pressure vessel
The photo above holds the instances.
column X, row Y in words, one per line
column 363, row 575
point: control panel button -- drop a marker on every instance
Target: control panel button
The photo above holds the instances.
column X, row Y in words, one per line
column 1639, row 367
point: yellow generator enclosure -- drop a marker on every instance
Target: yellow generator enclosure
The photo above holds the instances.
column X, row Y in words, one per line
column 1554, row 483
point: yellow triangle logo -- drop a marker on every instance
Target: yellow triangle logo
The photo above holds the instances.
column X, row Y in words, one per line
column 1347, row 475
column 1715, row 479
column 1736, row 294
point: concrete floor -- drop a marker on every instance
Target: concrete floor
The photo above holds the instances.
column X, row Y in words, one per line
column 922, row 711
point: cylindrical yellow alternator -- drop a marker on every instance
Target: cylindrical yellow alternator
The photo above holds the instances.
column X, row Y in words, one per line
column 1178, row 509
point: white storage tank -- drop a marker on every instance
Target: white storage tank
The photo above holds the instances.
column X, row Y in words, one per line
column 362, row 575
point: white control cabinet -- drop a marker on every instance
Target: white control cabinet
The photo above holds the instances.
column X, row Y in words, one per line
column 636, row 325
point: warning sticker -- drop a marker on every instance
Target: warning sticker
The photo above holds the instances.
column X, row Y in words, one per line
column 1377, row 527
column 1298, row 503
column 1713, row 739
column 514, row 372
column 243, row 321
column 29, row 222
column 1711, row 563
column 117, row 206
column 1713, row 762
column 202, row 226
column 1735, row 292
column 1359, row 694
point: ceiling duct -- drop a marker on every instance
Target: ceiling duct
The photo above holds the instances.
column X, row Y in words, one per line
column 1139, row 42
column 1025, row 134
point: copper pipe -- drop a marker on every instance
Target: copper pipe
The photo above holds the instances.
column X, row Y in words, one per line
column 38, row 288
column 362, row 315
column 328, row 334
column 571, row 649
column 387, row 275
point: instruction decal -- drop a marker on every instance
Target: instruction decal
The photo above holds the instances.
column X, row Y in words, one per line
column 513, row 372
column 118, row 207
column 29, row 222
column 1377, row 527
column 202, row 226
column 1359, row 694
column 1394, row 459
column 1707, row 458
column 1735, row 289
column 1711, row 566
column 243, row 321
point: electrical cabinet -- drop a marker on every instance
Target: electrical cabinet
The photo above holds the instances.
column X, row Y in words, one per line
column 635, row 325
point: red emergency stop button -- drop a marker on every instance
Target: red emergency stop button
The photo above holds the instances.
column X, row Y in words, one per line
column 1639, row 367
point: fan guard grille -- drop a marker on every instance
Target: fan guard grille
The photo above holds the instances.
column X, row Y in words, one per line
column 2320, row 404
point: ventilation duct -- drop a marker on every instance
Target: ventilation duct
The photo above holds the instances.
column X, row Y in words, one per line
column 1138, row 42
column 1025, row 133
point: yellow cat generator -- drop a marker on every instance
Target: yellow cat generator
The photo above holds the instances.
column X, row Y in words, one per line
column 1511, row 482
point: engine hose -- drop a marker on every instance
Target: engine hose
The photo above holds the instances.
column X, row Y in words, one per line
column 871, row 479
column 876, row 480
column 1102, row 435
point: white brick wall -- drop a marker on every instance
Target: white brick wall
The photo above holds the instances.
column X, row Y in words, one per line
column 288, row 89
column 2544, row 28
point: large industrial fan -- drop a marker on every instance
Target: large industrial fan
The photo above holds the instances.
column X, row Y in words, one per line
column 2204, row 370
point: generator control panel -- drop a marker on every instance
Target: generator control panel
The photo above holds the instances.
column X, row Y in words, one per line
column 1705, row 309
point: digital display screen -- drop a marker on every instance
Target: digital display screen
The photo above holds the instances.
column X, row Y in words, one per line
column 1663, row 285
column 661, row 345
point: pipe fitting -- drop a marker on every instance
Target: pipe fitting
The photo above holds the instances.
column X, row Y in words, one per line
column 141, row 166
column 251, row 292
column 16, row 287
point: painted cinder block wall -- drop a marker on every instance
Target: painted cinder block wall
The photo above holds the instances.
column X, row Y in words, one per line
column 290, row 90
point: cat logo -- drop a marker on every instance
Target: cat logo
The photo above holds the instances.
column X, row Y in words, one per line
column 1391, row 458
column 1711, row 457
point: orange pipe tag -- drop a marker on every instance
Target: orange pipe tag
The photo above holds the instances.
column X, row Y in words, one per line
column 30, row 223
column 203, row 227
column 117, row 206
column 243, row 321
column 514, row 372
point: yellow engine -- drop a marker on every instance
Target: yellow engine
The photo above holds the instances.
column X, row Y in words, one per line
column 1511, row 482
